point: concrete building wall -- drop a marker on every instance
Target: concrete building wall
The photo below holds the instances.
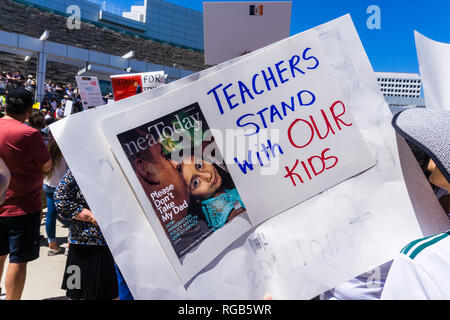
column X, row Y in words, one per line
column 55, row 71
column 20, row 18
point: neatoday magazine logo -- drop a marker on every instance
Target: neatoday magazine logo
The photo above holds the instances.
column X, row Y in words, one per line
column 192, row 196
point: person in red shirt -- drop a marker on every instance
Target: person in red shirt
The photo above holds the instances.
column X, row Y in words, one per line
column 24, row 153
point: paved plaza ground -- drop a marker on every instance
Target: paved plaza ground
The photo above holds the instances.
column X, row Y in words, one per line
column 44, row 275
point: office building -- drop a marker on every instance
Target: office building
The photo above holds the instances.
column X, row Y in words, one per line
column 163, row 36
column 406, row 85
column 401, row 90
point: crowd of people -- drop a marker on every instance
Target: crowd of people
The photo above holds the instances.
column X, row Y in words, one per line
column 11, row 79
column 56, row 95
column 35, row 166
column 52, row 104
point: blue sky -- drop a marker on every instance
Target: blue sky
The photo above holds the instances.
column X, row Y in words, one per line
column 392, row 47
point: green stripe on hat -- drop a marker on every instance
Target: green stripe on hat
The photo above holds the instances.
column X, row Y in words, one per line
column 427, row 244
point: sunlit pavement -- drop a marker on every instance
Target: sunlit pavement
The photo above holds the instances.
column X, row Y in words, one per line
column 44, row 275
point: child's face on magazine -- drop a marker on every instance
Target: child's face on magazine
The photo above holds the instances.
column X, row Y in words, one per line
column 201, row 177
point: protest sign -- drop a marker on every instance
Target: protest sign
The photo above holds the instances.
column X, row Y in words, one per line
column 434, row 65
column 37, row 106
column 90, row 93
column 234, row 28
column 68, row 108
column 127, row 85
column 298, row 254
column 297, row 138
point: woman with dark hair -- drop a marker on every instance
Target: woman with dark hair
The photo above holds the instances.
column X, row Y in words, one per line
column 36, row 120
column 51, row 181
column 88, row 249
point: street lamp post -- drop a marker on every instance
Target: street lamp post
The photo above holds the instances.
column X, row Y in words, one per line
column 41, row 67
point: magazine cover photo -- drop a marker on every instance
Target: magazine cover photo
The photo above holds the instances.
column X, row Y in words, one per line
column 184, row 177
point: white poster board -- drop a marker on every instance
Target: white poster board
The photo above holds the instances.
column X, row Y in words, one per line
column 434, row 65
column 234, row 28
column 68, row 108
column 296, row 139
column 90, row 93
column 358, row 224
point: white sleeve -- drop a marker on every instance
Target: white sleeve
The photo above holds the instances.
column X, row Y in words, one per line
column 409, row 281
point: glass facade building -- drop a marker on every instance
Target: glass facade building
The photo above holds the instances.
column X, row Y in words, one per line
column 156, row 20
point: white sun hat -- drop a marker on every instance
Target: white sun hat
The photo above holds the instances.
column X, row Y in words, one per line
column 428, row 129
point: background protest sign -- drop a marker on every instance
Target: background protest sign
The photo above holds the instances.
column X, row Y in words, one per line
column 434, row 65
column 68, row 108
column 90, row 93
column 326, row 240
column 234, row 28
column 127, row 85
column 284, row 118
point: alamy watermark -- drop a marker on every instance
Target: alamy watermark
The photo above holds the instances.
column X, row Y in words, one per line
column 74, row 279
column 374, row 20
column 74, row 20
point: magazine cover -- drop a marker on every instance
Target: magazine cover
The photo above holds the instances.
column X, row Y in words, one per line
column 193, row 196
column 127, row 85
